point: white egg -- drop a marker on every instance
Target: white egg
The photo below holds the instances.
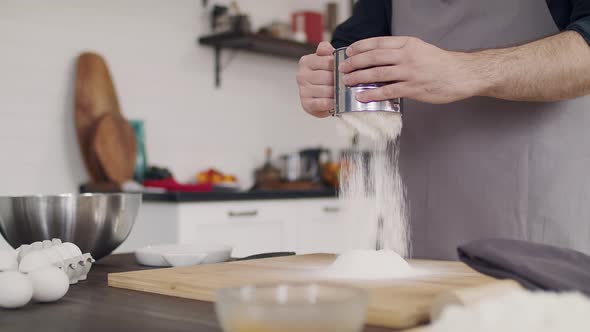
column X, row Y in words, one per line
column 56, row 242
column 74, row 249
column 47, row 244
column 33, row 261
column 16, row 289
column 37, row 245
column 49, row 284
column 23, row 251
column 8, row 260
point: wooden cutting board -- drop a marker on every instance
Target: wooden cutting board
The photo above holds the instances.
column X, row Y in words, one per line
column 399, row 303
column 115, row 146
column 95, row 96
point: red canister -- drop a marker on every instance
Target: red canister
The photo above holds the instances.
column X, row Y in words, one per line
column 313, row 25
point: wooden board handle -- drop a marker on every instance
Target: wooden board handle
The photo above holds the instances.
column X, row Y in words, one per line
column 471, row 296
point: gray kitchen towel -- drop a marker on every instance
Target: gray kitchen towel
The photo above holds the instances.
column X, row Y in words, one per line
column 535, row 266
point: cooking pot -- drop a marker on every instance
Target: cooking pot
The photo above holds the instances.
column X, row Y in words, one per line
column 302, row 166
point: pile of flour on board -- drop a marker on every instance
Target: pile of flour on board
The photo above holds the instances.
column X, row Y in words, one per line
column 373, row 200
column 517, row 312
column 369, row 264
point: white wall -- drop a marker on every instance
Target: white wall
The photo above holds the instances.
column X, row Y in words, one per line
column 161, row 76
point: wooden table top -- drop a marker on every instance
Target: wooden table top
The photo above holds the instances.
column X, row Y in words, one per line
column 92, row 306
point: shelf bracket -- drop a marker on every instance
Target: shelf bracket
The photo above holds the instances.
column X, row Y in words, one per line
column 217, row 67
column 249, row 42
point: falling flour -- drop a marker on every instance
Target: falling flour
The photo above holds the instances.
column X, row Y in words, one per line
column 373, row 197
column 519, row 311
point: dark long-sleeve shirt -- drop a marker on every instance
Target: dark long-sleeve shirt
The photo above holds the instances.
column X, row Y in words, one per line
column 372, row 18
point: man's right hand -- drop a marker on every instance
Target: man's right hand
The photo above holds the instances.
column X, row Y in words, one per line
column 316, row 81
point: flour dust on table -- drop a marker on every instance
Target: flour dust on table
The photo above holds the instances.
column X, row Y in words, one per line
column 373, row 198
column 519, row 311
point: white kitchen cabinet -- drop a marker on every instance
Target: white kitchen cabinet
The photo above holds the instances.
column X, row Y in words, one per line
column 247, row 238
column 321, row 231
column 156, row 223
column 250, row 227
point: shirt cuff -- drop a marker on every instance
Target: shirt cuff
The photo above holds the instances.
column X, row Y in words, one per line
column 581, row 26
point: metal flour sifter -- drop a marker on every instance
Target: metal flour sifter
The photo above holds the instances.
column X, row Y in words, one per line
column 344, row 96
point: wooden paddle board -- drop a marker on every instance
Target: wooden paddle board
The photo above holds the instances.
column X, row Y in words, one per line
column 115, row 146
column 95, row 96
column 400, row 303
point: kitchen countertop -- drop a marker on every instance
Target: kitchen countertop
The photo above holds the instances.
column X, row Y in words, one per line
column 219, row 196
column 238, row 195
column 92, row 306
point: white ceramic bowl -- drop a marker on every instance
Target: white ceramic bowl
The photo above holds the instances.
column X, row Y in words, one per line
column 182, row 254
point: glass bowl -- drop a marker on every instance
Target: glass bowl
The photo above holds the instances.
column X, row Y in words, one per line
column 292, row 307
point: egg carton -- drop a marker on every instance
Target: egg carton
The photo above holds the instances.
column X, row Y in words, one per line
column 76, row 268
column 25, row 249
column 52, row 252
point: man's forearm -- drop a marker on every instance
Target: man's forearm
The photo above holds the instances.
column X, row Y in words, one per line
column 553, row 68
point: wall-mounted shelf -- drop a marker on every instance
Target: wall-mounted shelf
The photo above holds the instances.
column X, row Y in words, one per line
column 253, row 43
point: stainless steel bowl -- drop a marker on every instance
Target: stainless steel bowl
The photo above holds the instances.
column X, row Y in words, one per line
column 97, row 223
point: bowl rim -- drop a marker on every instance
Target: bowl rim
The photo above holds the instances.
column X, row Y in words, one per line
column 184, row 248
column 71, row 195
column 234, row 293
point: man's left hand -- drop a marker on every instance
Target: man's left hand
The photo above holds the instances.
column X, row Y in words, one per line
column 410, row 68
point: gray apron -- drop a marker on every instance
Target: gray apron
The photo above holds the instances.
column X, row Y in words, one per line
column 485, row 167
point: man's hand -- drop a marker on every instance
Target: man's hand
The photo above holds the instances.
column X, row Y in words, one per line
column 316, row 81
column 549, row 69
column 410, row 68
